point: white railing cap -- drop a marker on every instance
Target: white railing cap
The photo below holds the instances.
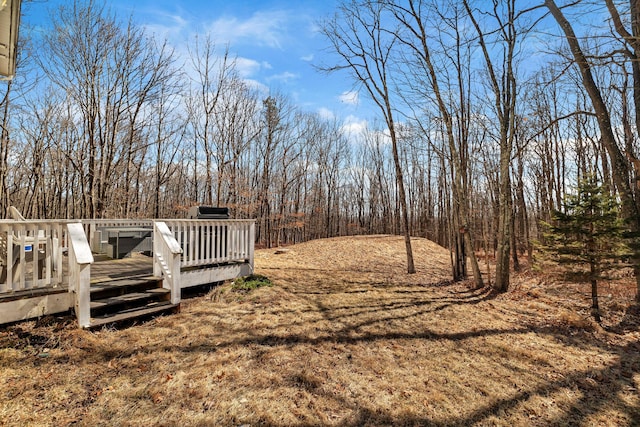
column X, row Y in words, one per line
column 78, row 239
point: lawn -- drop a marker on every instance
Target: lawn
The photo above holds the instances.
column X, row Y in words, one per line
column 342, row 337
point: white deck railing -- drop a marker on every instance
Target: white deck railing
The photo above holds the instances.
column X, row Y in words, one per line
column 206, row 242
column 31, row 251
column 203, row 242
column 31, row 254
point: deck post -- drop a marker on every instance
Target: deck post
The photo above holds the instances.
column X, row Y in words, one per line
column 252, row 240
column 176, row 289
column 166, row 259
column 80, row 260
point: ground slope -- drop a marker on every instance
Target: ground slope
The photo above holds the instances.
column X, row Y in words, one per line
column 344, row 337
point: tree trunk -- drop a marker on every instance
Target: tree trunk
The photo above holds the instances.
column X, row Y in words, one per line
column 401, row 195
column 504, row 225
column 4, row 152
column 595, row 307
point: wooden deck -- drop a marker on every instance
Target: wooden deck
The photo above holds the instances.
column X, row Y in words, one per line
column 105, row 268
column 73, row 259
column 105, row 273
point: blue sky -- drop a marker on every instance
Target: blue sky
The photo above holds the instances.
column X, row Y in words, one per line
column 276, row 43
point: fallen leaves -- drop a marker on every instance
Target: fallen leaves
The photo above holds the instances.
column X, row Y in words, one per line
column 345, row 337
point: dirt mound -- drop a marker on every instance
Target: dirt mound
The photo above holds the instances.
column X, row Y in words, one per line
column 379, row 255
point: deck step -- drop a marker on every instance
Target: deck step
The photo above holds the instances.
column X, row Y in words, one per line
column 113, row 288
column 152, row 309
column 128, row 298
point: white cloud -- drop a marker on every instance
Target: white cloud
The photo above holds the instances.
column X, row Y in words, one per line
column 326, row 114
column 354, row 128
column 307, row 58
column 350, row 97
column 357, row 130
column 263, row 89
column 314, row 28
column 261, row 29
column 166, row 25
column 285, row 77
column 247, row 67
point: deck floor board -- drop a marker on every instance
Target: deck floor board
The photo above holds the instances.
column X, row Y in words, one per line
column 104, row 268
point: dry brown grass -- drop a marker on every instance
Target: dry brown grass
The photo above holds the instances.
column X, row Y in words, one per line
column 346, row 338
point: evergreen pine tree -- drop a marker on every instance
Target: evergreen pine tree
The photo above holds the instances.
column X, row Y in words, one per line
column 587, row 236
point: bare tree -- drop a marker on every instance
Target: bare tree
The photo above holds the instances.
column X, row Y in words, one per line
column 236, row 127
column 275, row 151
column 423, row 79
column 502, row 81
column 167, row 134
column 212, row 76
column 4, row 149
column 109, row 73
column 365, row 47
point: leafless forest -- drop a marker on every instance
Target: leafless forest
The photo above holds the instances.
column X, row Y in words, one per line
column 488, row 114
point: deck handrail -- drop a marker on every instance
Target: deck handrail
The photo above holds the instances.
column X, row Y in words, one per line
column 233, row 242
column 80, row 260
column 30, row 254
column 166, row 259
column 234, row 238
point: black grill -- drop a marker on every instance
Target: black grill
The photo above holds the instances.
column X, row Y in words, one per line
column 208, row 212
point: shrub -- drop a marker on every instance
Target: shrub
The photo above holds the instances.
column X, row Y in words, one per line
column 251, row 282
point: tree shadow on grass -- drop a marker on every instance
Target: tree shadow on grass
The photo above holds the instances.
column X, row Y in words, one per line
column 597, row 390
column 595, row 395
column 630, row 321
column 594, row 398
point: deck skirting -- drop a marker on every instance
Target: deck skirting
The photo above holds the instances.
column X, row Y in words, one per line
column 29, row 307
column 213, row 274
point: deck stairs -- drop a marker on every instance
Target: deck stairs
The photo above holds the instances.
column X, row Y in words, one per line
column 129, row 299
